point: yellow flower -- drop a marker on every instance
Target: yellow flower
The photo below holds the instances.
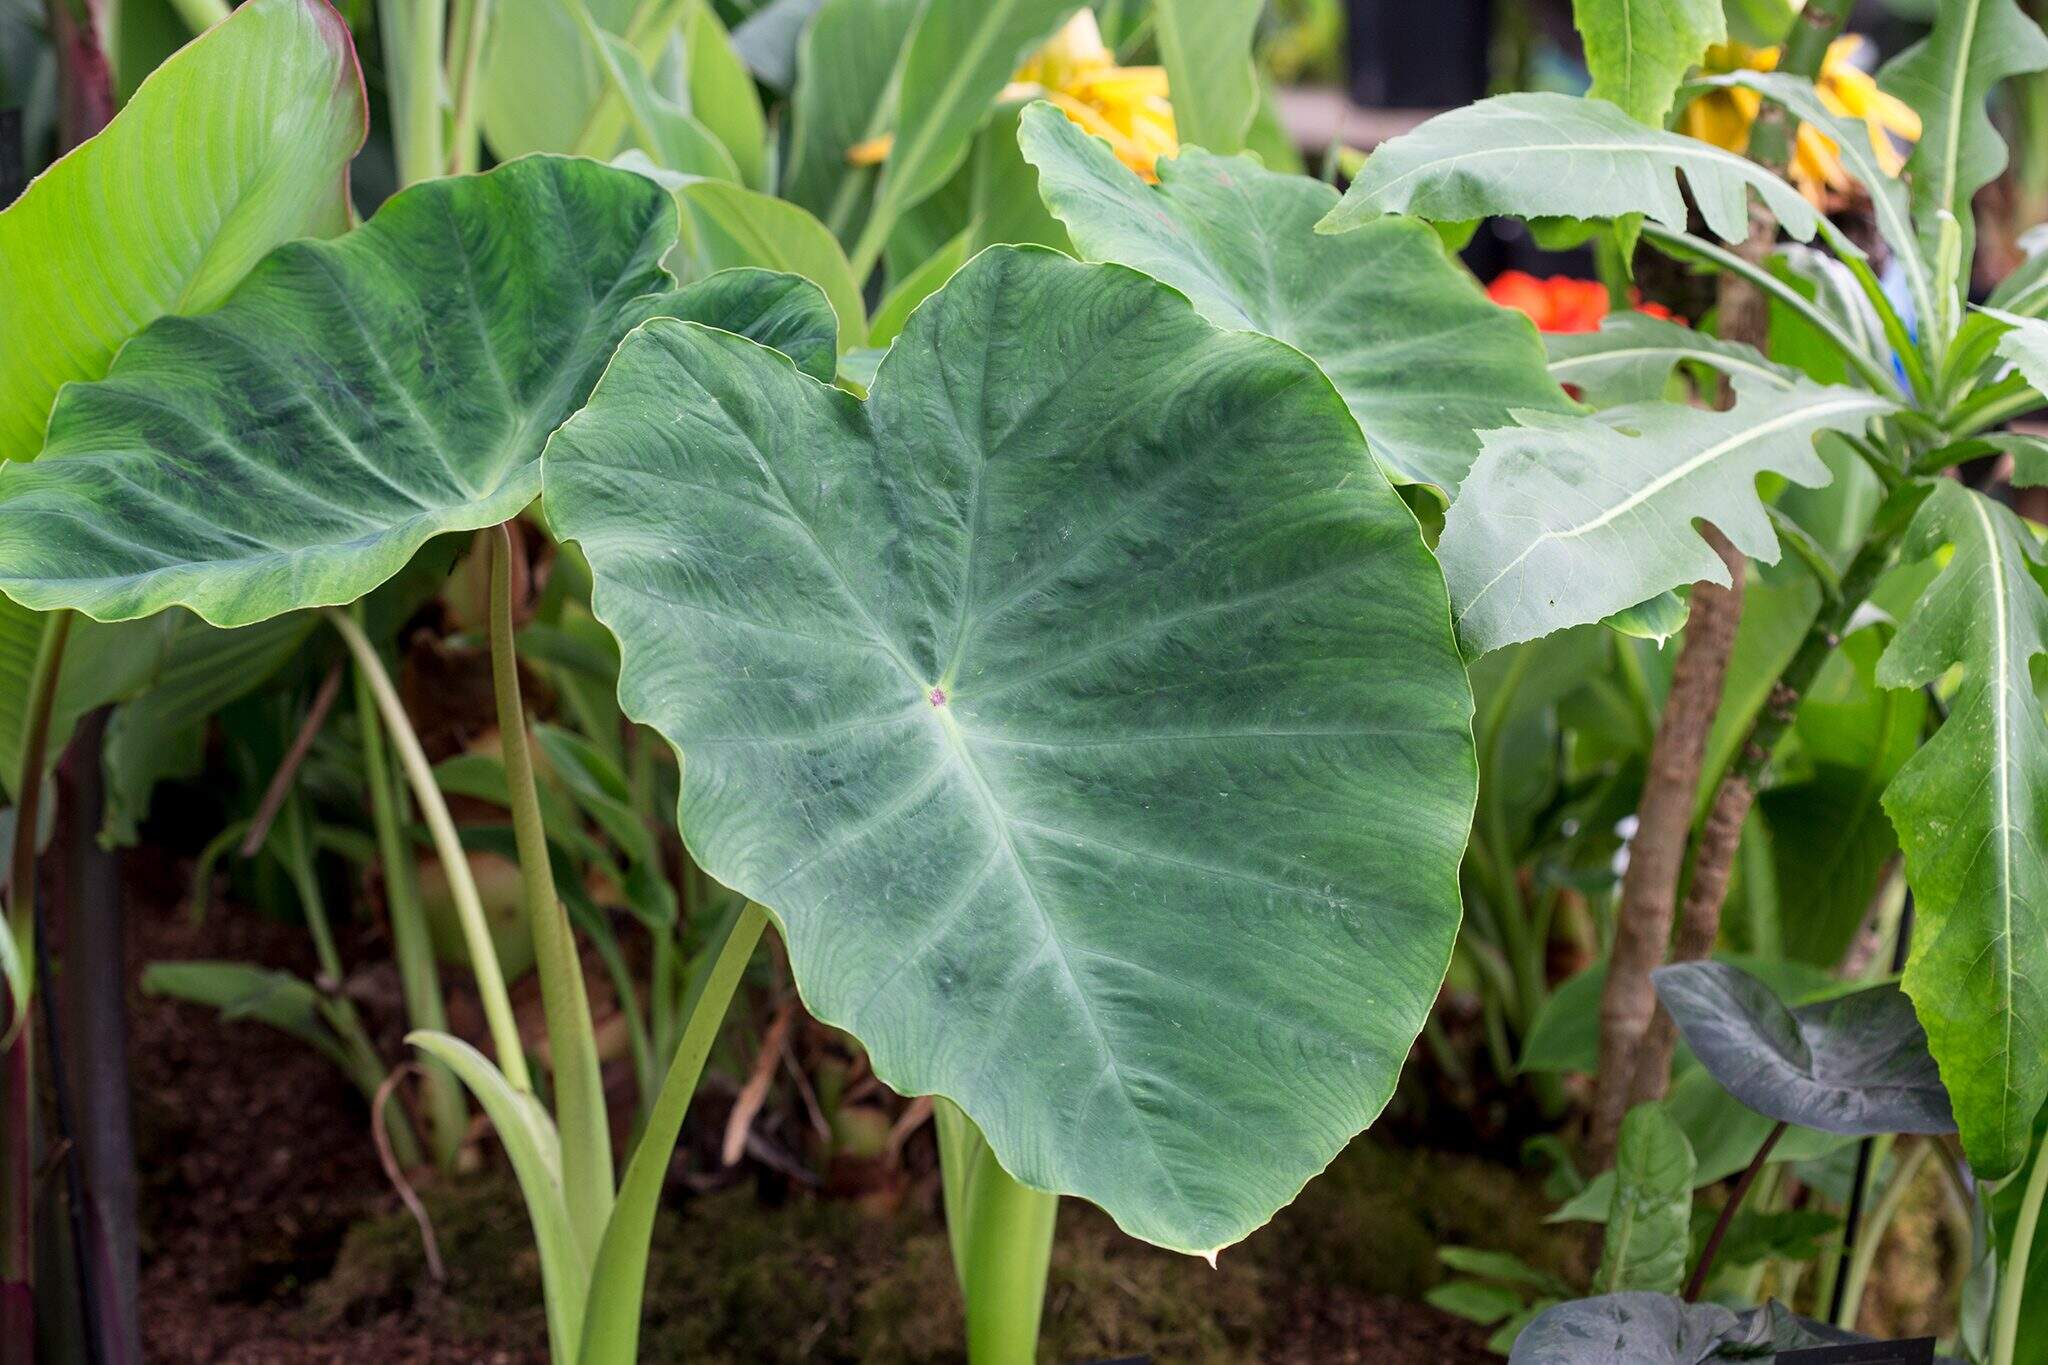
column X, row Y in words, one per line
column 1724, row 117
column 1126, row 106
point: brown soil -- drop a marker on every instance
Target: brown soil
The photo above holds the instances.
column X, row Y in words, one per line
column 271, row 1238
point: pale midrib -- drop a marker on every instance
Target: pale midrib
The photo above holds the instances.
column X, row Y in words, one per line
column 1665, row 480
column 1952, row 136
column 1725, row 363
column 1646, row 147
column 2002, row 764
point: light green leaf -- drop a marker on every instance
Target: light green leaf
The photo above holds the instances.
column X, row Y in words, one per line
column 244, row 991
column 1569, row 519
column 722, row 93
column 135, row 224
column 536, row 1155
column 541, row 77
column 845, row 94
column 1657, row 619
column 2025, row 345
column 1639, row 50
column 1760, row 23
column 355, row 398
column 1947, row 78
column 1206, row 47
column 729, row 225
column 961, row 55
column 1086, row 714
column 1631, row 357
column 1542, row 155
column 673, row 139
column 1648, row 1222
column 1424, row 361
column 1968, row 811
column 916, row 287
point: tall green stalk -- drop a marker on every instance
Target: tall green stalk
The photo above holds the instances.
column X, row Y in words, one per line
column 414, row 34
column 1001, row 1232
column 469, row 906
column 411, row 944
column 579, row 1087
column 2012, row 1277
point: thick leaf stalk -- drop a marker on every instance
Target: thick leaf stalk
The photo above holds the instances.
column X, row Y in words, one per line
column 1001, row 1231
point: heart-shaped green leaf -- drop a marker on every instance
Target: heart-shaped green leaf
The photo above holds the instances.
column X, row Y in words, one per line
column 357, row 397
column 1083, row 705
column 1420, row 355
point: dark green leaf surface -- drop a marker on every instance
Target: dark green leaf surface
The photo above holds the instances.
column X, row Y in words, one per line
column 1422, row 358
column 1969, row 815
column 356, row 397
column 1855, row 1064
column 1543, row 155
column 1083, row 705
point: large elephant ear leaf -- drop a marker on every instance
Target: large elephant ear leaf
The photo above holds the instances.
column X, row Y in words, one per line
column 356, row 397
column 1419, row 354
column 1544, row 155
column 1566, row 520
column 1971, row 820
column 133, row 224
column 1083, row 706
column 1947, row 78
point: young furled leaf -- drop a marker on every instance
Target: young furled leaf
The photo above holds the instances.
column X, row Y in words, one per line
column 1083, row 706
column 1970, row 818
column 1543, row 155
column 1639, row 50
column 1421, row 357
column 1565, row 520
column 1646, row 1243
column 355, row 398
column 1947, row 77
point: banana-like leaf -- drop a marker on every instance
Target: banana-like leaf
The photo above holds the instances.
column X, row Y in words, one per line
column 960, row 55
column 844, row 95
column 1206, row 47
column 1639, row 50
column 136, row 223
column 1631, row 357
column 1083, row 706
column 1646, row 1240
column 1968, row 808
column 1543, row 155
column 536, row 1154
column 1853, row 1064
column 722, row 93
column 356, row 397
column 1565, row 520
column 1947, row 77
column 1424, row 360
column 541, row 77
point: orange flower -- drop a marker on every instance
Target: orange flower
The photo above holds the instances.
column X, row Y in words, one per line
column 1561, row 303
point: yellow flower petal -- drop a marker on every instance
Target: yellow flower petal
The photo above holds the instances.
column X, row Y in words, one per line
column 872, row 152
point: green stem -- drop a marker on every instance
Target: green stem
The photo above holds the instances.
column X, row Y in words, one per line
column 2012, row 1280
column 411, row 944
column 611, row 1324
column 1001, row 1232
column 1991, row 406
column 465, row 62
column 572, row 1044
column 469, row 906
column 1871, row 1235
column 1874, row 374
column 414, row 35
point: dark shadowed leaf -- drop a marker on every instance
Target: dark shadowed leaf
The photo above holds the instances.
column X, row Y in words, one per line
column 1856, row 1064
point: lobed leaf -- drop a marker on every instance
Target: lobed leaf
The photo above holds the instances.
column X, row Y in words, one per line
column 1565, row 520
column 356, row 397
column 1421, row 357
column 1638, row 51
column 1969, row 819
column 1631, row 357
column 1544, row 155
column 1082, row 705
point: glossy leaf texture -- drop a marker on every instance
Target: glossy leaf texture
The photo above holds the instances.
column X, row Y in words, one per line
column 1646, row 1242
column 355, row 398
column 1422, row 358
column 1565, row 520
column 1083, row 705
column 1970, row 819
column 1639, row 50
column 133, row 224
column 1947, row 77
column 1853, row 1064
column 1543, row 155
column 1630, row 359
column 1206, row 48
